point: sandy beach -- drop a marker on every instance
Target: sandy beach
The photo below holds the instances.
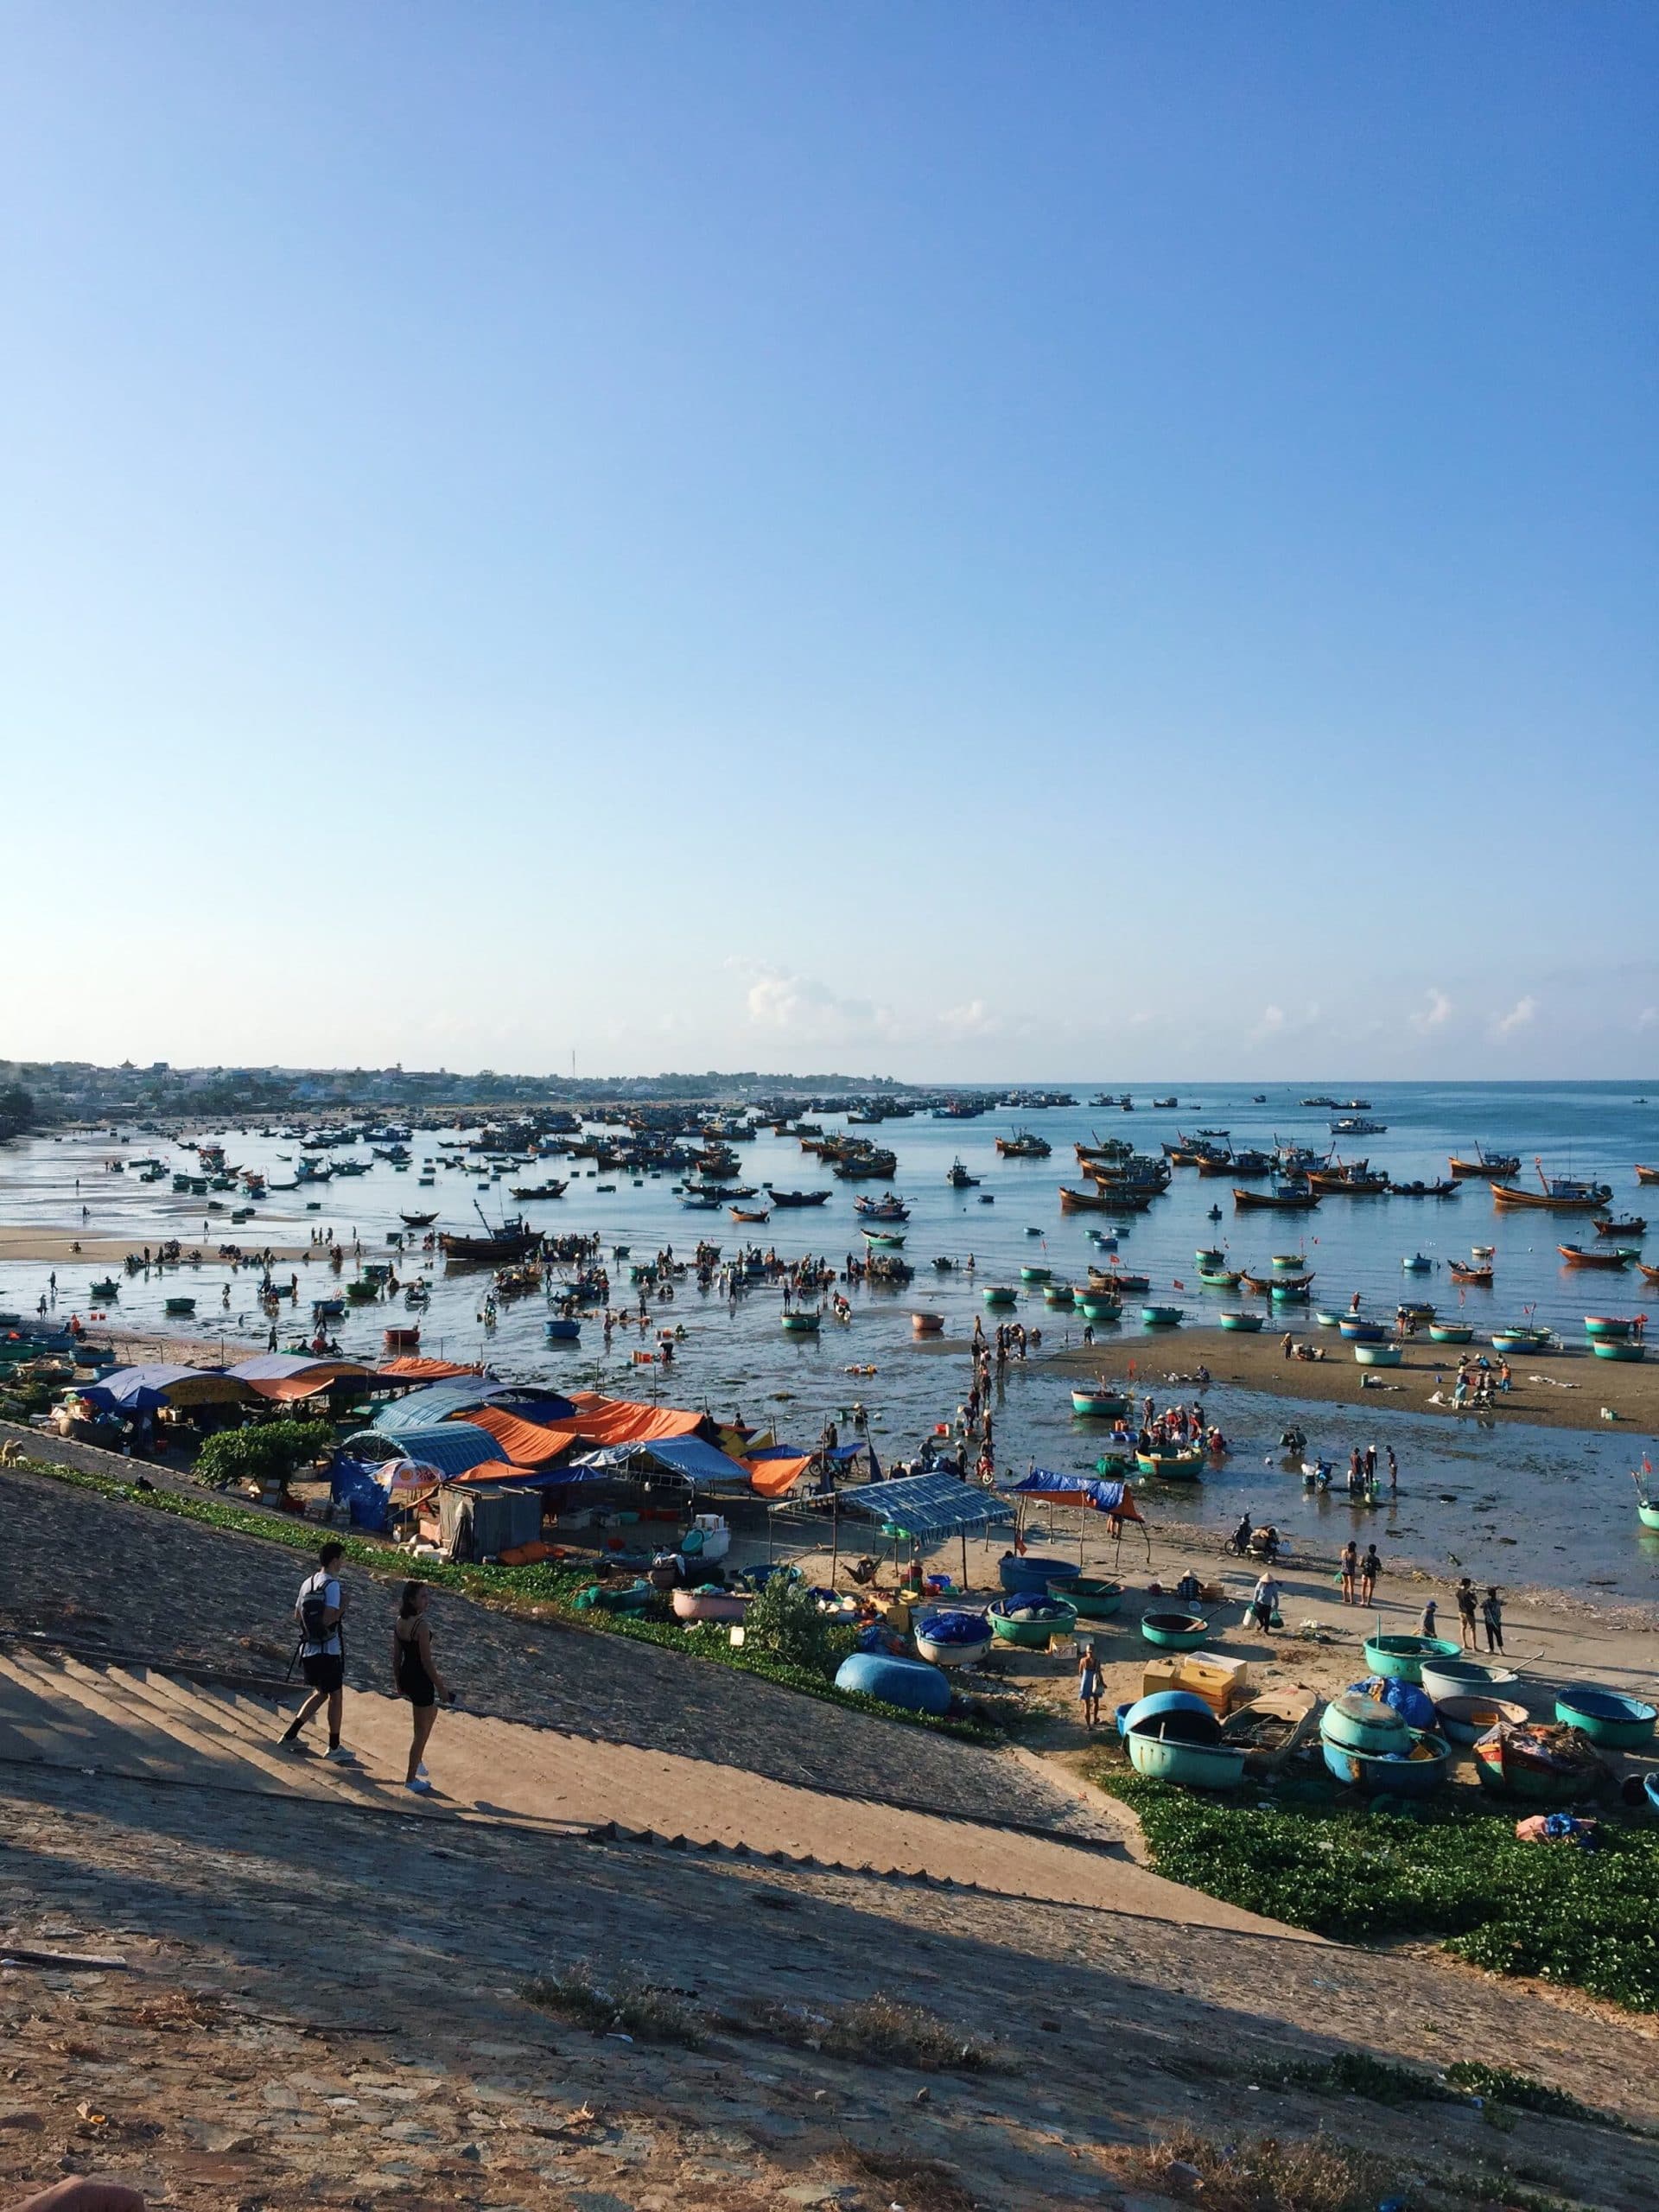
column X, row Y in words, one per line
column 60, row 1247
column 1563, row 1389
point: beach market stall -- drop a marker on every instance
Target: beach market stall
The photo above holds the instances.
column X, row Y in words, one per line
column 916, row 1512
column 1088, row 1493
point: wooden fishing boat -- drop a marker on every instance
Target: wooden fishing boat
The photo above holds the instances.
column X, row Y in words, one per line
column 1378, row 1355
column 1555, row 1194
column 1607, row 1717
column 1460, row 1273
column 1219, row 1278
column 1544, row 1764
column 1650, row 1275
column 1099, row 1401
column 1242, row 1323
column 1271, row 1726
column 883, row 1209
column 1633, row 1225
column 1486, row 1165
column 1084, row 1201
column 1264, row 1285
column 798, row 1197
column 1162, row 1317
column 1448, row 1188
column 417, row 1220
column 1284, row 1198
column 1023, row 1145
column 512, row 1241
column 1175, row 1631
column 1577, row 1257
column 523, row 1192
column 1119, row 1282
column 1344, row 1183
column 1647, row 1174
column 958, row 1178
column 759, row 1214
column 1185, row 1466
column 1627, row 1349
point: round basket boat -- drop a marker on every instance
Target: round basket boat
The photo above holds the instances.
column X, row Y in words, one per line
column 1059, row 1294
column 1444, row 1678
column 1606, row 1325
column 1404, row 1655
column 1290, row 1262
column 1378, row 1355
column 801, row 1325
column 1175, row 1631
column 1325, row 1317
column 180, row 1306
column 1355, row 1330
column 1160, row 1317
column 1100, row 1405
column 1412, row 1773
column 1466, row 1719
column 1024, row 1618
column 999, row 1293
column 953, row 1639
column 1289, row 1293
column 1032, row 1572
column 1452, row 1332
column 910, row 1683
column 1035, row 1274
column 709, row 1604
column 1093, row 1600
column 1211, row 1257
column 104, row 1291
column 1607, row 1717
column 1099, row 1309
column 1244, row 1324
column 1625, row 1348
column 1172, row 1466
column 1356, row 1722
column 1545, row 1765
column 560, row 1328
column 927, row 1325
column 1649, row 1514
column 622, row 1597
column 1173, row 1737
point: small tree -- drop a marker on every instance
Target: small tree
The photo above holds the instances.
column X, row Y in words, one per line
column 270, row 1452
column 785, row 1623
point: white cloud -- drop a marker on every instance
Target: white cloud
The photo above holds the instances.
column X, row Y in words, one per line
column 804, row 1006
column 973, row 1019
column 1646, row 1019
column 1434, row 1015
column 1519, row 1016
column 1275, row 1022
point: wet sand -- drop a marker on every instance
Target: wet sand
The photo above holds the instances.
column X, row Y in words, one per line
column 1563, row 1389
column 62, row 1247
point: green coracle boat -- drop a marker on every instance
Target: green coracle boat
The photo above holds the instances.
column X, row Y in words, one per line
column 1094, row 1601
column 1024, row 1618
column 1617, row 1348
column 1175, row 1631
column 999, row 1293
column 1402, row 1656
column 1244, row 1324
column 1607, row 1717
column 1172, row 1466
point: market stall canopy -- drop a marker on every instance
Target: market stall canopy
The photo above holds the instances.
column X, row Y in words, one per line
column 928, row 1507
column 703, row 1465
column 285, row 1375
column 598, row 1419
column 775, row 1469
column 439, row 1402
column 411, row 1368
column 1117, row 1498
column 527, row 1443
column 452, row 1449
column 146, row 1389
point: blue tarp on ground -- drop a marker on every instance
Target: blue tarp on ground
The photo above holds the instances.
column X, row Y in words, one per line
column 353, row 1484
column 1106, row 1497
column 701, row 1464
column 929, row 1506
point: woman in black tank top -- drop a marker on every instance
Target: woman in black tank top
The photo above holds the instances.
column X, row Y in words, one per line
column 414, row 1673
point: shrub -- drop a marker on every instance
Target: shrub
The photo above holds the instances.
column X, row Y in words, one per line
column 271, row 1452
column 785, row 1623
column 629, row 2003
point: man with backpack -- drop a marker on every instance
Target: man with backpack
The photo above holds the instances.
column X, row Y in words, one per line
column 322, row 1650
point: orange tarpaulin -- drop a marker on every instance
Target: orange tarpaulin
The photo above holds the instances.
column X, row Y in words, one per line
column 410, row 1368
column 622, row 1420
column 309, row 1385
column 776, row 1477
column 526, row 1442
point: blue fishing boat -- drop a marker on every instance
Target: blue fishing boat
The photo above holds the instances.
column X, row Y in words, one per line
column 1174, row 1737
column 1242, row 1323
column 1401, row 1657
column 558, row 1330
column 1175, row 1631
column 1607, row 1717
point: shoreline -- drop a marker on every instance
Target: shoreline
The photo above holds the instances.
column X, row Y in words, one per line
column 58, row 1248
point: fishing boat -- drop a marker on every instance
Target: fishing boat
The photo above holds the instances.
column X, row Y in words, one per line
column 1546, row 1766
column 1289, row 1293
column 1242, row 1323
column 1465, row 1719
column 1647, row 1174
column 1609, row 1718
column 1036, row 1273
column 1060, row 1295
column 1359, row 1328
column 178, row 1306
column 1555, row 1194
column 1355, row 1181
column 1092, row 1598
column 1175, row 1631
column 1627, row 1349
column 1447, row 1188
column 512, row 1241
column 1650, row 1275
column 885, row 1240
column 1459, row 1677
column 958, row 1178
column 1415, row 1309
column 800, row 1198
column 402, row 1339
column 1022, row 1144
column 1402, row 1658
column 1173, row 1735
column 1577, row 1257
column 1218, row 1278
column 1265, row 1286
column 1419, row 1766
column 534, row 1192
column 1289, row 1263
column 1284, row 1197
column 1648, row 1512
column 1460, row 1272
column 1119, row 1282
column 417, row 1220
column 1633, row 1225
column 1378, row 1355
column 883, row 1209
column 1085, row 1201
column 1099, row 1401
column 1028, row 1618
column 1417, row 1263
column 764, row 1213
column 1093, row 1306
column 1184, row 1466
column 1162, row 1317
column 949, row 1638
column 1509, row 1340
column 798, row 1324
column 561, row 1329
column 104, row 1291
column 999, row 1293
column 1484, row 1165
column 1271, row 1726
column 928, row 1325
column 1452, row 1332
column 1208, row 1255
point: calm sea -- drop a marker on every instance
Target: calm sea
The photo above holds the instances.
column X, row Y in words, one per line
column 1519, row 1504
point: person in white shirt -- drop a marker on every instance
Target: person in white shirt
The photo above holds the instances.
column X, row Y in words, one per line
column 319, row 1609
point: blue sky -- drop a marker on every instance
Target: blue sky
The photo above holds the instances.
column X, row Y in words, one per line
column 957, row 539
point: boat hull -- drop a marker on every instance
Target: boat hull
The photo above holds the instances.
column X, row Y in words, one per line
column 1621, row 1724
column 1401, row 1657
column 1416, row 1775
column 1175, row 1631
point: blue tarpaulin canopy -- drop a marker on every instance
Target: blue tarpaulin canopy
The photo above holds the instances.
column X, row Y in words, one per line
column 929, row 1506
column 453, row 1449
column 143, row 1390
column 1079, row 1490
column 703, row 1465
column 438, row 1402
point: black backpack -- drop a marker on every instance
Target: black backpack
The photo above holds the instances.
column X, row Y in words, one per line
column 314, row 1609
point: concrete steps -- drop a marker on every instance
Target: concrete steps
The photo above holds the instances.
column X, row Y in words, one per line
column 60, row 1711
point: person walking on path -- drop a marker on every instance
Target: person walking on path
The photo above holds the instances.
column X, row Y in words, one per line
column 1426, row 1626
column 1349, row 1569
column 1491, row 1612
column 1264, row 1601
column 1468, row 1603
column 1369, row 1568
column 1088, row 1684
column 319, row 1609
column 415, row 1677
